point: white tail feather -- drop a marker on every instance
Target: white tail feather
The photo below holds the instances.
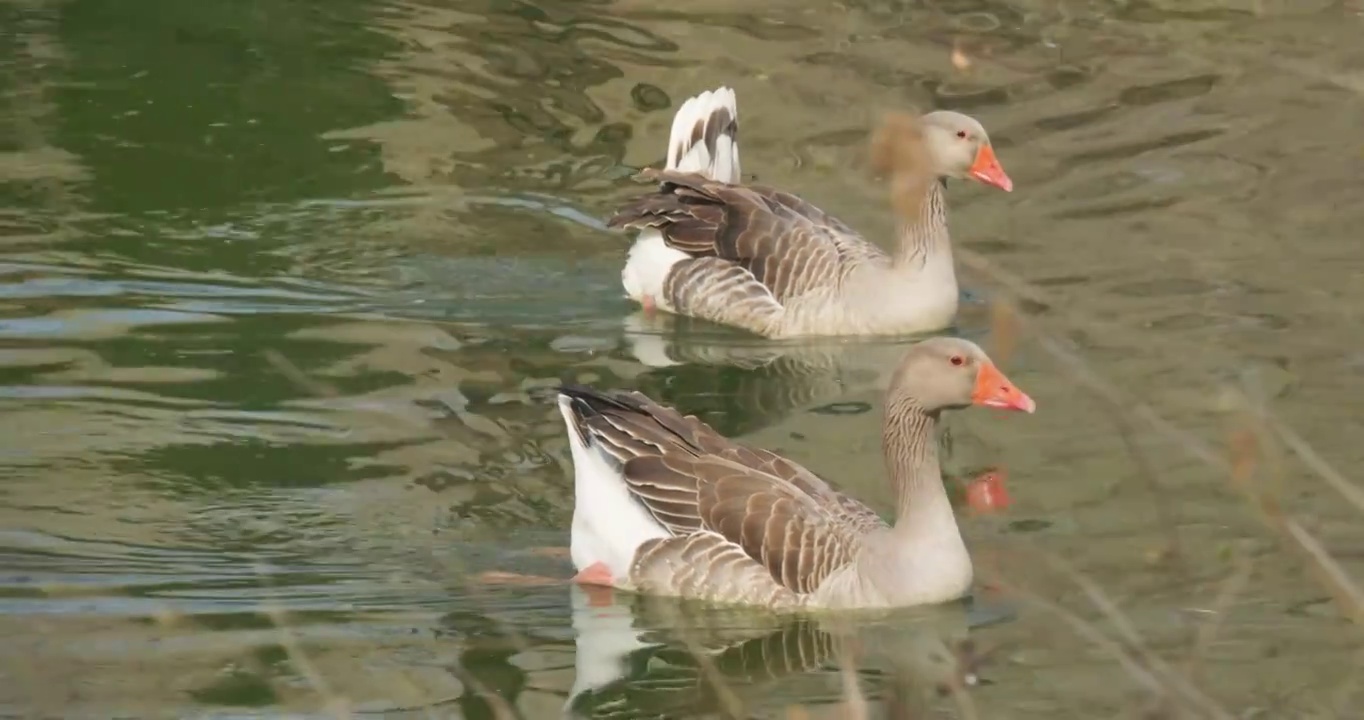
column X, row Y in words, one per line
column 608, row 524
column 704, row 139
column 647, row 267
column 705, row 136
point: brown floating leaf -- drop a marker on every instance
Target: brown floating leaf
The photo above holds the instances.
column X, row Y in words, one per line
column 960, row 60
column 1004, row 329
column 898, row 150
column 499, row 577
column 897, row 144
column 1244, row 451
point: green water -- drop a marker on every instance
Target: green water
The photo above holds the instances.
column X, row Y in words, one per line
column 283, row 287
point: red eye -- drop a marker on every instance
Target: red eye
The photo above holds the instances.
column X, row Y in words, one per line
column 957, row 360
column 961, row 134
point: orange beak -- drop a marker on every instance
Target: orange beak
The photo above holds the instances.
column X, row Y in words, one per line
column 995, row 390
column 986, row 169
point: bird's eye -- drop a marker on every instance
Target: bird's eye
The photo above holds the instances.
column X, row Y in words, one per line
column 961, row 134
column 957, row 360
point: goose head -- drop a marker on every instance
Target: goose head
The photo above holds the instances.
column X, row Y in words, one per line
column 946, row 373
column 959, row 147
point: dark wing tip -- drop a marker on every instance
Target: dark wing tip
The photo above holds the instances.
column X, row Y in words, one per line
column 575, row 390
column 589, row 401
column 584, row 404
column 588, row 396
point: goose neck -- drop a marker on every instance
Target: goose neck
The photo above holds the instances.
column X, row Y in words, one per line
column 922, row 225
column 910, row 446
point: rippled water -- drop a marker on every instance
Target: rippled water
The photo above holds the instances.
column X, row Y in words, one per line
column 282, row 288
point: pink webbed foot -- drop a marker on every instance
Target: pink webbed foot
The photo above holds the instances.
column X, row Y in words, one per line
column 594, row 574
column 596, row 581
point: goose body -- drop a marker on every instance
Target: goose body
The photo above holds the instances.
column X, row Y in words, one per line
column 663, row 504
column 767, row 261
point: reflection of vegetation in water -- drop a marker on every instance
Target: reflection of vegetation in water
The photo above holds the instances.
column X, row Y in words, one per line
column 513, row 96
column 251, row 683
column 176, row 105
column 238, row 687
column 658, row 657
column 158, row 460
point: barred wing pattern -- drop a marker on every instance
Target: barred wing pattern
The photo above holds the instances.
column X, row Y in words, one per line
column 752, row 249
column 742, row 521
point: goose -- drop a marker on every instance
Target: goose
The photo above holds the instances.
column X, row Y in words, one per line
column 665, row 505
column 769, row 262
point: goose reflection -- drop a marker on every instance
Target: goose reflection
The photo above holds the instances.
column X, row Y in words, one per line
column 650, row 657
column 758, row 381
column 740, row 384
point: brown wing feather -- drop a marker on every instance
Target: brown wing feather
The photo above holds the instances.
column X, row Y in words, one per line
column 785, row 243
column 805, row 209
column 721, row 291
column 704, row 565
column 785, row 530
column 797, row 539
column 692, row 479
column 850, row 510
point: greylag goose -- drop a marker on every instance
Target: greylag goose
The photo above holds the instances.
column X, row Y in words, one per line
column 766, row 261
column 665, row 505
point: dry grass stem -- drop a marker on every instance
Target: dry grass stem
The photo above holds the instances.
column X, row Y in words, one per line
column 1348, row 490
column 501, row 709
column 334, row 704
column 1155, row 679
column 1248, row 444
column 731, row 705
column 1191, row 444
column 1347, row 594
column 296, row 375
column 1165, row 515
column 1221, row 605
column 897, row 151
column 1171, row 678
column 499, row 706
column 1344, row 695
column 1087, row 630
column 854, row 705
column 966, row 706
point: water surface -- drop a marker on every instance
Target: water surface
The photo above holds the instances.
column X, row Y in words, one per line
column 283, row 285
